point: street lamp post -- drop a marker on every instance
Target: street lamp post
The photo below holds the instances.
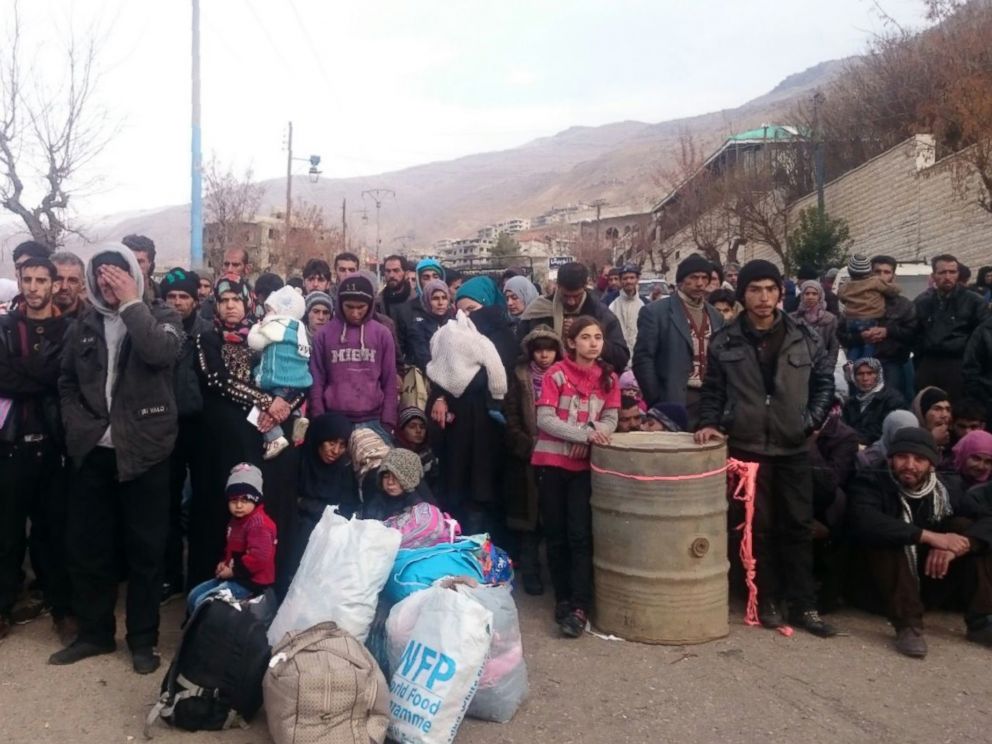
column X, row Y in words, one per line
column 314, row 174
column 378, row 196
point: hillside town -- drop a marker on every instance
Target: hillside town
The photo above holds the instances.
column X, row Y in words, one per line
column 707, row 458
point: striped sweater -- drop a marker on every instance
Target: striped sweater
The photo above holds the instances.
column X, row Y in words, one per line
column 572, row 400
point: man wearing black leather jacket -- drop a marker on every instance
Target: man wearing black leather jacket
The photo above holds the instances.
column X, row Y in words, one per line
column 768, row 385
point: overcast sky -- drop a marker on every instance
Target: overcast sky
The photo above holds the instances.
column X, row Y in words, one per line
column 377, row 86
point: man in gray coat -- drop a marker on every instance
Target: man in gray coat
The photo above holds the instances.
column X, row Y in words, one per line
column 673, row 335
column 119, row 410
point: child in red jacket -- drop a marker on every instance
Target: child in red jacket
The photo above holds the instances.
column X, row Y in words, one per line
column 249, row 564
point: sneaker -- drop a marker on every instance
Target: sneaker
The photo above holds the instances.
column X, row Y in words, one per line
column 30, row 608
column 275, row 448
column 910, row 642
column 811, row 621
column 66, row 628
column 300, row 427
column 574, row 623
column 170, row 591
column 980, row 631
column 79, row 650
column 5, row 626
column 145, row 660
column 769, row 616
column 562, row 608
column 533, row 584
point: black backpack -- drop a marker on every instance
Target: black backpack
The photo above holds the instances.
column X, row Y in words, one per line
column 215, row 679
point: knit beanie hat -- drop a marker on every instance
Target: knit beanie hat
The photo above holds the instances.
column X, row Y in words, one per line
column 356, row 288
column 319, row 298
column 754, row 271
column 692, row 264
column 672, row 416
column 245, row 481
column 110, row 258
column 931, row 397
column 180, row 280
column 405, row 467
column 859, row 264
column 410, row 413
column 286, row 301
column 914, row 440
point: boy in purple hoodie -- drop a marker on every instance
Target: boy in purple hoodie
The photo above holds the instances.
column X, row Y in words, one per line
column 353, row 361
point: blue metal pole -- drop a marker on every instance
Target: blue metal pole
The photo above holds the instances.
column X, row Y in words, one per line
column 196, row 166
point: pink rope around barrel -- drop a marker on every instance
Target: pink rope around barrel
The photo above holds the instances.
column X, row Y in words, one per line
column 744, row 478
column 652, row 478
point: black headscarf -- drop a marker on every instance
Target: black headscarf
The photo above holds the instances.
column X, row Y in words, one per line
column 319, row 482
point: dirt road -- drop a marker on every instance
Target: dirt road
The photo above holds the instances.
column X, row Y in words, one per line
column 754, row 685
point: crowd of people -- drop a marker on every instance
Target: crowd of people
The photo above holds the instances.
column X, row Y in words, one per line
column 186, row 434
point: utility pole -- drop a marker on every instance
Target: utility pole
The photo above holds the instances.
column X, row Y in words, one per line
column 196, row 157
column 363, row 253
column 599, row 204
column 344, row 224
column 289, row 179
column 378, row 196
column 818, row 156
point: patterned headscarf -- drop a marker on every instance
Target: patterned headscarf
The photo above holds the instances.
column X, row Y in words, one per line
column 811, row 315
column 237, row 333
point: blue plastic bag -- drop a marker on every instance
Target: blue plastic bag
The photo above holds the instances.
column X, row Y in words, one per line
column 418, row 568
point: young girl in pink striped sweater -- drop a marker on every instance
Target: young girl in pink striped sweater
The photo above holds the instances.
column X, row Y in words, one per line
column 578, row 407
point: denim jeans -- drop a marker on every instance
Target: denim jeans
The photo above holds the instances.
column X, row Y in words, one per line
column 199, row 593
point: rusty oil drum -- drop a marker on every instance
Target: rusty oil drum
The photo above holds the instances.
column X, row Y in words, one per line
column 660, row 546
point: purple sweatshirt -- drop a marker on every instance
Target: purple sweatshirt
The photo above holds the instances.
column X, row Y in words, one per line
column 354, row 372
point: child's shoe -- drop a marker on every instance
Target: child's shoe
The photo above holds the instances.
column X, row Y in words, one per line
column 273, row 448
column 574, row 623
column 300, row 427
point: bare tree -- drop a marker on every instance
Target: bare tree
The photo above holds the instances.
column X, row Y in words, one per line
column 309, row 237
column 48, row 133
column 229, row 201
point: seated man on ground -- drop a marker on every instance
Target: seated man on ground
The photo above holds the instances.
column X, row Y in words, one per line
column 871, row 402
column 630, row 414
column 927, row 544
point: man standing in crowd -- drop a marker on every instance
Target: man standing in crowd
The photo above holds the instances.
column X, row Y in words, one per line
column 894, row 335
column 143, row 248
column 628, row 304
column 946, row 315
column 70, row 298
column 237, row 262
column 769, row 384
column 396, row 294
column 316, row 276
column 569, row 301
column 613, row 283
column 673, row 335
column 730, row 272
column 977, row 368
column 926, row 542
column 22, row 252
column 119, row 409
column 31, row 448
column 180, row 289
column 205, row 295
column 345, row 264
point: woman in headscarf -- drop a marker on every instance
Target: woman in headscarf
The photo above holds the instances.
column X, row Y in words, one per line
column 813, row 311
column 224, row 363
column 874, row 456
column 973, row 458
column 871, row 402
column 519, row 292
column 472, row 424
column 435, row 310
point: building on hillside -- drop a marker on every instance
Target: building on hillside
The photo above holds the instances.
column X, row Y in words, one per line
column 264, row 239
column 625, row 235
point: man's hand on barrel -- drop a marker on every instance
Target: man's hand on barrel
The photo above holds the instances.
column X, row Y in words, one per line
column 708, row 434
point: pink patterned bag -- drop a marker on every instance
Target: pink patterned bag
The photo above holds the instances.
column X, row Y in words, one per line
column 423, row 525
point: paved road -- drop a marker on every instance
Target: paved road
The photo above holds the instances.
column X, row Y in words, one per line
column 754, row 685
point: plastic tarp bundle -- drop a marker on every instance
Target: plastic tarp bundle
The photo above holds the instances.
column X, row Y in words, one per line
column 344, row 567
column 503, row 684
column 438, row 642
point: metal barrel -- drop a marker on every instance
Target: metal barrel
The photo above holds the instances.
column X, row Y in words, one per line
column 659, row 523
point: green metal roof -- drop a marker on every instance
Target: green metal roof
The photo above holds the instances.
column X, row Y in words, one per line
column 769, row 132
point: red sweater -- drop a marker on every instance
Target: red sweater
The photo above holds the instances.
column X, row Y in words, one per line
column 251, row 549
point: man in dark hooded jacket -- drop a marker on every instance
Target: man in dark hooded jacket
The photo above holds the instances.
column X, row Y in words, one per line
column 119, row 410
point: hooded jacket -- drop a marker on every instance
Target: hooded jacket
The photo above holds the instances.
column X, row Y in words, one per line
column 354, row 370
column 116, row 385
column 736, row 400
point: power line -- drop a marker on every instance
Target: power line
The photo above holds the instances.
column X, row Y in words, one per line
column 268, row 36
column 310, row 44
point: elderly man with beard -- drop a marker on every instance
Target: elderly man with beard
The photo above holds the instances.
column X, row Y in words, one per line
column 71, row 296
column 927, row 543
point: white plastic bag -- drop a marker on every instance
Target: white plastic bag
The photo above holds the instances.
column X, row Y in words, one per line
column 438, row 640
column 343, row 569
column 503, row 684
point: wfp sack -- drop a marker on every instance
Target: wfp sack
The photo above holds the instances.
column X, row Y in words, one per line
column 418, row 568
column 503, row 684
column 344, row 567
column 423, row 525
column 323, row 687
column 438, row 640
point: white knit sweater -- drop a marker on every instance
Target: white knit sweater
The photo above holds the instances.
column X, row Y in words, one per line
column 458, row 352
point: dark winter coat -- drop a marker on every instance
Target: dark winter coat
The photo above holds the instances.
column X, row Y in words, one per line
column 189, row 397
column 663, row 356
column 944, row 324
column 521, row 436
column 734, row 397
column 615, row 351
column 833, row 455
column 423, row 326
column 875, row 512
column 30, row 352
column 900, row 326
column 868, row 421
column 142, row 417
column 977, row 368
